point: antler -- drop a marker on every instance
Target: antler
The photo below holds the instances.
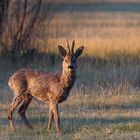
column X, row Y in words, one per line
column 68, row 46
column 73, row 45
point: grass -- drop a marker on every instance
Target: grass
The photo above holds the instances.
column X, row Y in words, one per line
column 105, row 101
column 83, row 116
column 95, row 110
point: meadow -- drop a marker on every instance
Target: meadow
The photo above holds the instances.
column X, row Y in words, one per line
column 105, row 101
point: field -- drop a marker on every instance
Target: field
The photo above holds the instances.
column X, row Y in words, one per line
column 105, row 101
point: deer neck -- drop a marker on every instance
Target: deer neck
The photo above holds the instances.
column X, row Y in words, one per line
column 68, row 79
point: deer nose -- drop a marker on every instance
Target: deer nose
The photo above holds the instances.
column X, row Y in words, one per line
column 70, row 67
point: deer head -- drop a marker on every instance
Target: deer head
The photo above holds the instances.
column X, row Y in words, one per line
column 70, row 57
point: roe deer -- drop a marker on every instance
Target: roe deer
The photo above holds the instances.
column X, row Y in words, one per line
column 47, row 87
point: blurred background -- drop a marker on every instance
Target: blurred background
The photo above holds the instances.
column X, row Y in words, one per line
column 107, row 89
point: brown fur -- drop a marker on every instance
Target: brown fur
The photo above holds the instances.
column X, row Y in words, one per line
column 47, row 87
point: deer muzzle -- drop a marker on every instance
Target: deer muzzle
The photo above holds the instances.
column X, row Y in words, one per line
column 70, row 67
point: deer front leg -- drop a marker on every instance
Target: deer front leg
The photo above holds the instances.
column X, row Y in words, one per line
column 54, row 107
column 51, row 115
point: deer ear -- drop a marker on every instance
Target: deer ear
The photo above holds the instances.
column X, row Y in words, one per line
column 79, row 51
column 62, row 51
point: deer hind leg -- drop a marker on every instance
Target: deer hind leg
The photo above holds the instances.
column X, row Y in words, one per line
column 16, row 101
column 22, row 110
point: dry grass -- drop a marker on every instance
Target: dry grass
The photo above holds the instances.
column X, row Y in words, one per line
column 102, row 34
